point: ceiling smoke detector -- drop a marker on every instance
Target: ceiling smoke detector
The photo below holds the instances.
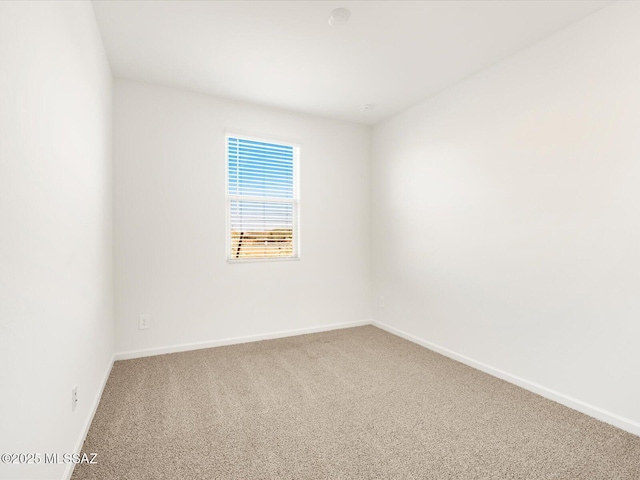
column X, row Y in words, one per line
column 339, row 17
column 367, row 107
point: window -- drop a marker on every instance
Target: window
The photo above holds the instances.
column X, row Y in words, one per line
column 262, row 199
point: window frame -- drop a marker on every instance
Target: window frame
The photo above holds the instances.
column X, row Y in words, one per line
column 295, row 201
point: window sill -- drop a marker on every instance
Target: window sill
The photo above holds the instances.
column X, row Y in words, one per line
column 262, row 260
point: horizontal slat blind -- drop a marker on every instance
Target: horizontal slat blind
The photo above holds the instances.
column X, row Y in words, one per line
column 261, row 199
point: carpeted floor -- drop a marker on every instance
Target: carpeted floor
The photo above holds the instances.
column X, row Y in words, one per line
column 347, row 404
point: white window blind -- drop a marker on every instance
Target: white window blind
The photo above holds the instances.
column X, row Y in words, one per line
column 262, row 199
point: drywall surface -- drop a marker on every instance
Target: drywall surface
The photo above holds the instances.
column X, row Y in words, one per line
column 506, row 214
column 170, row 222
column 56, row 262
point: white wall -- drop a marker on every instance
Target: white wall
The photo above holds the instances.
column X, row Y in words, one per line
column 506, row 214
column 56, row 294
column 170, row 222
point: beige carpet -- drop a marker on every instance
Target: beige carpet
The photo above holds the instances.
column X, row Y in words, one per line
column 346, row 404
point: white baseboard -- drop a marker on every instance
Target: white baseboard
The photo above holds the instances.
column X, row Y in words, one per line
column 573, row 403
column 184, row 347
column 85, row 428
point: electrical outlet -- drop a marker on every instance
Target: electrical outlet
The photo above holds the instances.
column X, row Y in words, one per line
column 381, row 302
column 145, row 321
column 74, row 397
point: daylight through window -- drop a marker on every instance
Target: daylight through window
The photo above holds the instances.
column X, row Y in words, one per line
column 262, row 199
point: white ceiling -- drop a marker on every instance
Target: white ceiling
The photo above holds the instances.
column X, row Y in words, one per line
column 285, row 54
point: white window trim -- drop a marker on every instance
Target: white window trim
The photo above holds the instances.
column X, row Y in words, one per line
column 295, row 202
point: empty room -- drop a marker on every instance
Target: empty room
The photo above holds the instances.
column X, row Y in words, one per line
column 320, row 240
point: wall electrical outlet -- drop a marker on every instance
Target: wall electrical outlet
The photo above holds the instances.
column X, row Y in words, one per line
column 74, row 397
column 145, row 321
column 381, row 302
